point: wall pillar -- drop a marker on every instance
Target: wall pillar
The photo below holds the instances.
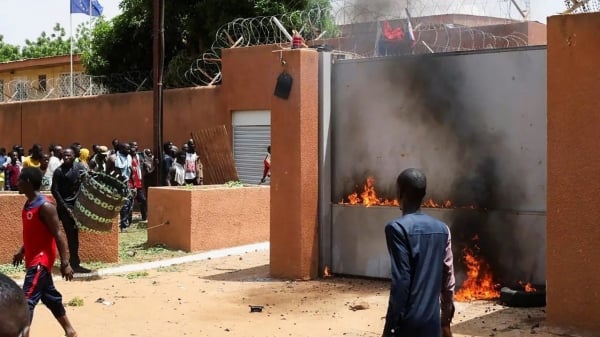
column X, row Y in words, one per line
column 294, row 173
column 573, row 227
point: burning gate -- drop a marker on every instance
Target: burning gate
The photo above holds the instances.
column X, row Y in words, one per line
column 475, row 123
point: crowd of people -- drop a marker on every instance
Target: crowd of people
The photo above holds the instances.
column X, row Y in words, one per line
column 59, row 171
column 62, row 168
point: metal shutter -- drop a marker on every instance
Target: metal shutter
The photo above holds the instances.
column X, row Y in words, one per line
column 249, row 150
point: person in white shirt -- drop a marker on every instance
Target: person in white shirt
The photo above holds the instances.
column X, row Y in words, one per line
column 176, row 175
column 55, row 160
column 193, row 165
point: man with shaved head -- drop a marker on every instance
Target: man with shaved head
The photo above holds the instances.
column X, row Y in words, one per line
column 421, row 265
column 14, row 311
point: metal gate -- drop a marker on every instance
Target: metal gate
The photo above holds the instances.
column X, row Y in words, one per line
column 459, row 117
column 251, row 136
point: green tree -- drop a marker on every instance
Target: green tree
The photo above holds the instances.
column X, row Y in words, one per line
column 8, row 52
column 124, row 44
column 53, row 44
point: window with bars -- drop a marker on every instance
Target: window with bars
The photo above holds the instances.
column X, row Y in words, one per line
column 42, row 82
column 21, row 87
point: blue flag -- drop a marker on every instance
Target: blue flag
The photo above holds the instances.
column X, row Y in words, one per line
column 83, row 6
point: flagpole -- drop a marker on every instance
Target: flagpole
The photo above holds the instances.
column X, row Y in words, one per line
column 71, row 48
column 90, row 41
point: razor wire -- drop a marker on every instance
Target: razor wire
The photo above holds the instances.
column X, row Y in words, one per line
column 445, row 39
column 83, row 85
column 321, row 24
column 313, row 24
column 360, row 11
column 582, row 6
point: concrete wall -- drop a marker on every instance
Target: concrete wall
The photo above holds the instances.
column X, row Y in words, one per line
column 208, row 217
column 573, row 229
column 248, row 84
column 102, row 247
column 294, row 175
column 99, row 119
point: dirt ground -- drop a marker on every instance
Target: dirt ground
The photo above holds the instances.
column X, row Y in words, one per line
column 212, row 298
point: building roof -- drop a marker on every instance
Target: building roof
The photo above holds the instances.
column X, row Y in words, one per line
column 39, row 62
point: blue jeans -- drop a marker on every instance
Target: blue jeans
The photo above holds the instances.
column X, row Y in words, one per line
column 125, row 212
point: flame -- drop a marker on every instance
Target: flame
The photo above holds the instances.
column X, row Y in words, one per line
column 368, row 197
column 430, row 203
column 326, row 272
column 528, row 287
column 479, row 284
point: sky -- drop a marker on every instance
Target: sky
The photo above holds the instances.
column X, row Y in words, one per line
column 26, row 19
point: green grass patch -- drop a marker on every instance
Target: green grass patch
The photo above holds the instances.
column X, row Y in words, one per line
column 11, row 271
column 75, row 302
column 233, row 184
column 137, row 274
column 134, row 248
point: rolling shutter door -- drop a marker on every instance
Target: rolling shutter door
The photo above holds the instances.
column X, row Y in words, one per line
column 250, row 141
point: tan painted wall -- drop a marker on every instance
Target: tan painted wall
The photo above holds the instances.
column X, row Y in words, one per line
column 93, row 247
column 294, row 181
column 573, row 228
column 208, row 217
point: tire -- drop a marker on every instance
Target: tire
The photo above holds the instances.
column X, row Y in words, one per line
column 522, row 299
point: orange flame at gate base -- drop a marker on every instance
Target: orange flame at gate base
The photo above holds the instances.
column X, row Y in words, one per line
column 479, row 284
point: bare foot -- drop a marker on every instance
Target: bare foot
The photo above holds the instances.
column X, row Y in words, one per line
column 71, row 333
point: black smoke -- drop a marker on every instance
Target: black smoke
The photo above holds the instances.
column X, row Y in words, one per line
column 483, row 193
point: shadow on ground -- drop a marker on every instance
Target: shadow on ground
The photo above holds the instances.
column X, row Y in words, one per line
column 254, row 274
column 495, row 320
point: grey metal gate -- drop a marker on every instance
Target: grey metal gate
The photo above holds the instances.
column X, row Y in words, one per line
column 474, row 122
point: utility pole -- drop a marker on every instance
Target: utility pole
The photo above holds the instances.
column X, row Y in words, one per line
column 157, row 76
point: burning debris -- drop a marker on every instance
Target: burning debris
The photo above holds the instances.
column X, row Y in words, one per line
column 527, row 287
column 479, row 284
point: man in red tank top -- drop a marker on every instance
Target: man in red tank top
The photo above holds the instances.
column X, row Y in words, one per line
column 41, row 234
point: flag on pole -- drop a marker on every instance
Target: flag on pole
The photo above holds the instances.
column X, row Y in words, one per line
column 410, row 33
column 83, row 6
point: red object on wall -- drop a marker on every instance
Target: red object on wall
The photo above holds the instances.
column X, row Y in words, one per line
column 392, row 33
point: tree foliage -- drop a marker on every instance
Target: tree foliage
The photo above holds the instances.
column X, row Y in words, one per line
column 8, row 52
column 53, row 44
column 124, row 44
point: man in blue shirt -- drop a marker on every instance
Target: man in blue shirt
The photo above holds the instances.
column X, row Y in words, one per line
column 421, row 263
